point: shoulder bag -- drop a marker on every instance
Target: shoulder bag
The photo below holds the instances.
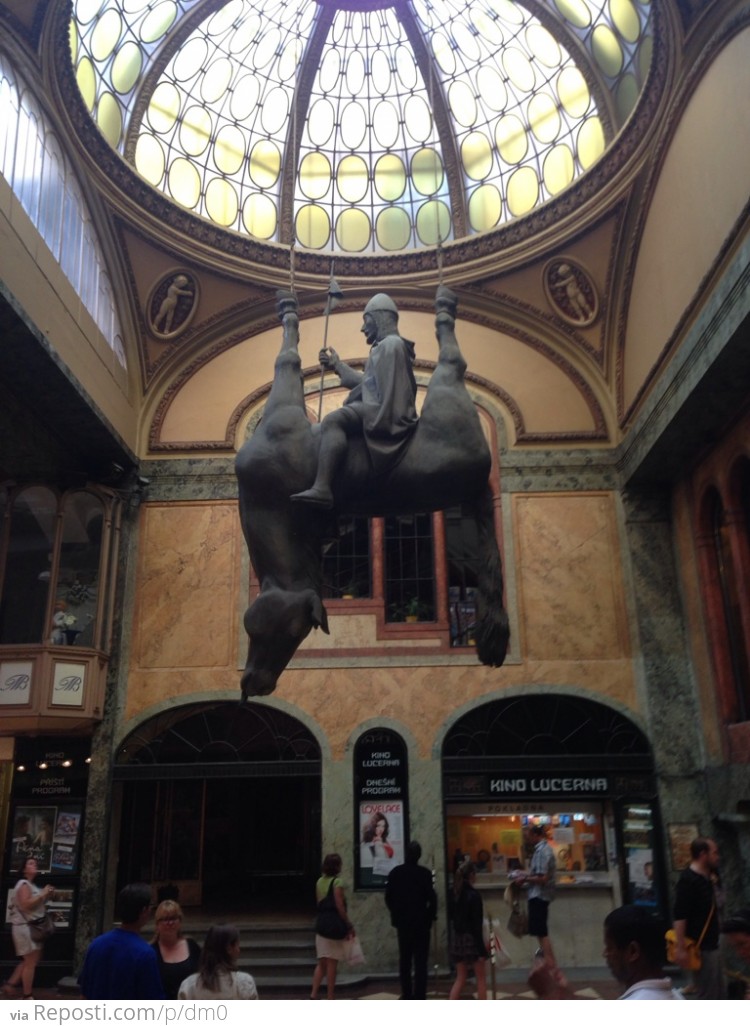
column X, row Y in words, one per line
column 41, row 928
column 692, row 947
column 328, row 922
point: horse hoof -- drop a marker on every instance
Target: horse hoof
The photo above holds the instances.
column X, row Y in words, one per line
column 321, row 497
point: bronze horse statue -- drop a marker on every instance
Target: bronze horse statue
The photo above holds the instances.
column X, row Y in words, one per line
column 447, row 461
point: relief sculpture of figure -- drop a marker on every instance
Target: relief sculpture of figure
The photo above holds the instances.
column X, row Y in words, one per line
column 372, row 457
column 380, row 405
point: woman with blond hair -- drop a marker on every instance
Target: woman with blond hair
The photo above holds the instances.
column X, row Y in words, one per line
column 177, row 955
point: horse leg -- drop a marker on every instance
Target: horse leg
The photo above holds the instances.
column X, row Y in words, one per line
column 492, row 631
column 287, row 388
column 451, row 366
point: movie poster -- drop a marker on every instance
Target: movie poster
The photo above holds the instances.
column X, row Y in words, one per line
column 50, row 834
column 381, row 834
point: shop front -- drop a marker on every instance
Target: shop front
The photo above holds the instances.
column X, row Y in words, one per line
column 586, row 774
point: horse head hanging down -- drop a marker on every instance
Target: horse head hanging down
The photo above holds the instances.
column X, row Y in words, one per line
column 374, row 457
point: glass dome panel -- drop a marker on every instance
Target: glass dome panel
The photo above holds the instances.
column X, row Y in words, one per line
column 510, row 109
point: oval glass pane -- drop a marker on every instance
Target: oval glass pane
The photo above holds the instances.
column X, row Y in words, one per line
column 353, row 125
column 184, row 182
column 229, row 150
column 406, row 67
column 315, row 175
column 376, row 35
column 519, row 69
column 626, row 96
column 418, row 119
column 106, row 35
column 259, row 216
column 149, row 159
column 356, row 29
column 433, row 222
column 244, row 34
column 109, row 119
column 476, row 156
column 289, row 60
column 223, row 18
column 221, row 202
column 507, row 10
column 158, row 22
column 190, row 59
column 443, row 52
column 352, row 178
column 244, row 97
column 353, row 230
column 607, row 51
column 574, row 92
column 462, row 103
column 385, row 124
column 574, row 11
column 88, row 9
column 485, row 208
column 320, row 122
column 393, row 228
column 215, row 80
column 645, row 53
column 544, row 46
column 523, row 191
column 195, row 130
column 380, row 72
column 488, row 28
column 339, row 27
column 544, row 117
column 266, row 47
column 427, row 171
column 355, row 73
column 264, row 164
column 312, row 227
column 390, row 177
column 330, row 70
column 558, row 169
column 466, row 41
column 492, row 88
column 133, row 6
column 590, row 145
column 625, row 17
column 275, row 110
column 163, row 107
column 86, row 79
column 511, row 139
column 126, row 67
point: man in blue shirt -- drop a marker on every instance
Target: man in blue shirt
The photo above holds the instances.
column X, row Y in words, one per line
column 120, row 964
column 541, row 883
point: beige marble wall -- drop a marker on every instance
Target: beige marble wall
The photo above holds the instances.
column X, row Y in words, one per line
column 187, row 639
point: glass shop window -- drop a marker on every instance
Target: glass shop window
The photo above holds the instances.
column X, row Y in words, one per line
column 54, row 551
column 409, row 568
column 346, row 560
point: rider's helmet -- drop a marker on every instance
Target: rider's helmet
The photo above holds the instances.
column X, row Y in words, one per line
column 381, row 303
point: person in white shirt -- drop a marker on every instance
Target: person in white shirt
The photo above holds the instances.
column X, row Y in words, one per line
column 635, row 953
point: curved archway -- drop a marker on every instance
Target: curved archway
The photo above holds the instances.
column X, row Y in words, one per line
column 221, row 801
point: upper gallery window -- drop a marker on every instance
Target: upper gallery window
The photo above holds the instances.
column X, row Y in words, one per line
column 361, row 127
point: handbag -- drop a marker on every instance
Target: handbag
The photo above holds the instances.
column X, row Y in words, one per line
column 41, row 928
column 693, row 948
column 518, row 921
column 328, row 922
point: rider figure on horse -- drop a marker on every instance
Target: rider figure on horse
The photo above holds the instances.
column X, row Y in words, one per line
column 380, row 405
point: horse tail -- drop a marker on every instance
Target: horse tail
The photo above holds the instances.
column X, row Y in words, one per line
column 492, row 630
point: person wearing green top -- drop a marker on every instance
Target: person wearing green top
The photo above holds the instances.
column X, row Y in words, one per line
column 330, row 951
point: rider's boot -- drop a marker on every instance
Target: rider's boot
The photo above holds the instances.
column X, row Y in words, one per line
column 332, row 449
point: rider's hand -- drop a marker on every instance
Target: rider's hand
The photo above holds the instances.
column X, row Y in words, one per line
column 328, row 358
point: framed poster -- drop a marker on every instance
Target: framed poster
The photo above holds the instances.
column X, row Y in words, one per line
column 680, row 836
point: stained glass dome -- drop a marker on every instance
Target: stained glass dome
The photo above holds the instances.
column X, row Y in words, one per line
column 359, row 126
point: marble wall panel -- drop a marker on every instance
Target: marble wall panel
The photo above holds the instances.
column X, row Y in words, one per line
column 570, row 586
column 187, row 578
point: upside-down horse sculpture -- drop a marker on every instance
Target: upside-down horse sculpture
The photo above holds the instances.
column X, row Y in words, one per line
column 441, row 460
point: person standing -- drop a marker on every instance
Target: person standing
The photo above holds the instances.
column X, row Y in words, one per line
column 120, row 964
column 541, row 890
column 218, row 978
column 28, row 904
column 176, row 955
column 330, row 951
column 468, row 949
column 696, row 916
column 412, row 902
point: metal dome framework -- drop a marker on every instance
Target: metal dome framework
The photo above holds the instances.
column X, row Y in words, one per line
column 361, row 127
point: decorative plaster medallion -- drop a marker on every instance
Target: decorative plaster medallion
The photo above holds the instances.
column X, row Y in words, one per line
column 571, row 291
column 172, row 304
